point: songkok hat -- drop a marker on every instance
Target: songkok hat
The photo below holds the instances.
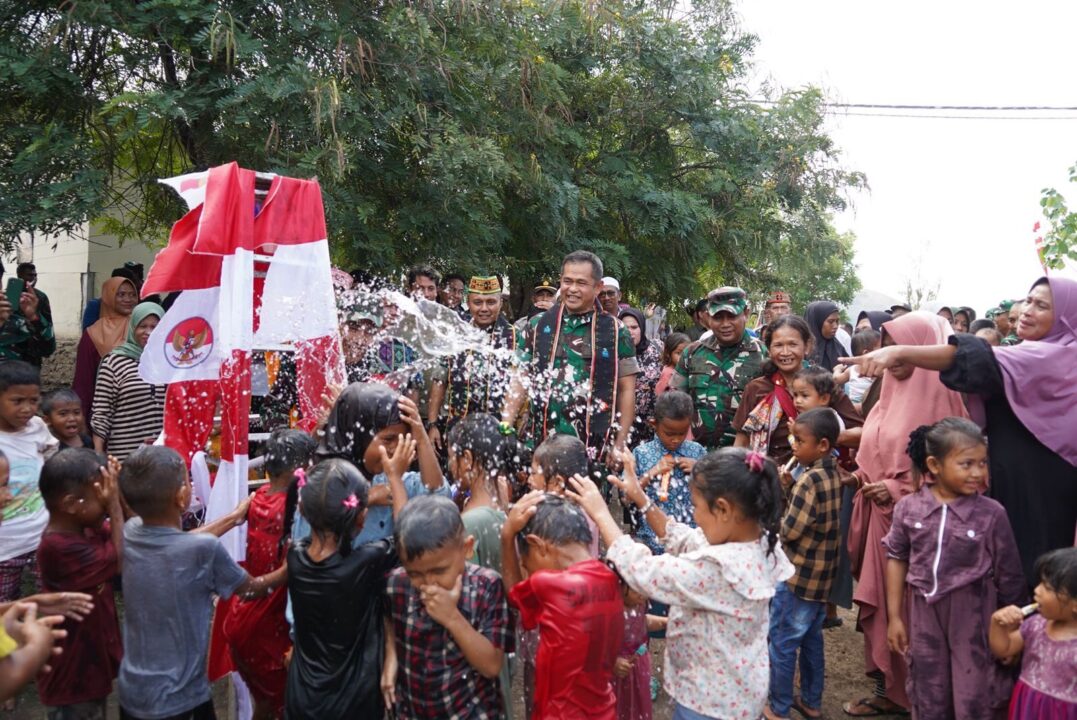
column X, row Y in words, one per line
column 484, row 285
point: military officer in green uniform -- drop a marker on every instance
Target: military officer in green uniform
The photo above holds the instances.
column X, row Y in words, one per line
column 715, row 370
column 580, row 365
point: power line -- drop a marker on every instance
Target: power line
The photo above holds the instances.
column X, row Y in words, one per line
column 952, row 117
column 978, row 108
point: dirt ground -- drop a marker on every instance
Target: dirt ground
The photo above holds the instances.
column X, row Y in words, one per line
column 844, row 681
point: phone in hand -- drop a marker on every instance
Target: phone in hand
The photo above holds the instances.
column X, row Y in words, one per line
column 15, row 288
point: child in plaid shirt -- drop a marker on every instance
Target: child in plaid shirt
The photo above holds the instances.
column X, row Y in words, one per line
column 810, row 534
column 450, row 624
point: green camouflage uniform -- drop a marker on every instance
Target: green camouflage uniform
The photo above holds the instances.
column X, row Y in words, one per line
column 715, row 377
column 573, row 351
column 21, row 339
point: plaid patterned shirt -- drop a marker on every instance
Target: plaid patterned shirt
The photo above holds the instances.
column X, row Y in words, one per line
column 435, row 679
column 811, row 530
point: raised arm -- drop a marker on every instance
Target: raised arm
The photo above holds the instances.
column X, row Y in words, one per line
column 519, row 515
column 429, row 466
column 587, row 496
column 108, row 492
column 515, row 397
column 929, row 357
column 1004, row 634
column 394, row 468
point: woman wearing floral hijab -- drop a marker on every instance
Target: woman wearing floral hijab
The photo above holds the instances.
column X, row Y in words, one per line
column 1025, row 397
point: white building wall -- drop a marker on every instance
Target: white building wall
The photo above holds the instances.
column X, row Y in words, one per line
column 71, row 269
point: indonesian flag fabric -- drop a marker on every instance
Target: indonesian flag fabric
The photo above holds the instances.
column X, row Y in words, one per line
column 228, row 308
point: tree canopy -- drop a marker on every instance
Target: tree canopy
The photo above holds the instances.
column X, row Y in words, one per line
column 482, row 136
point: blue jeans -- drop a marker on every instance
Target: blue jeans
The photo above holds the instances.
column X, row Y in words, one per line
column 680, row 712
column 795, row 624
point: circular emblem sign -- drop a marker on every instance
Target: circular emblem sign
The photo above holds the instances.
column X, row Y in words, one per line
column 189, row 344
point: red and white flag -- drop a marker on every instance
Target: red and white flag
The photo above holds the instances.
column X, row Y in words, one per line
column 202, row 346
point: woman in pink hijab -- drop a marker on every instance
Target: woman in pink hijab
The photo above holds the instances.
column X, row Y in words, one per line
column 1025, row 398
column 910, row 397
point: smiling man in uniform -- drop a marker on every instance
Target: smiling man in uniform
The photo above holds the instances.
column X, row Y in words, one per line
column 715, row 371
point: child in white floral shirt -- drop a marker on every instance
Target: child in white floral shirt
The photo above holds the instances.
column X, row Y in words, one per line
column 718, row 578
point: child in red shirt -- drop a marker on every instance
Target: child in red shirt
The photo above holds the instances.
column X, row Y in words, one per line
column 79, row 552
column 256, row 630
column 573, row 599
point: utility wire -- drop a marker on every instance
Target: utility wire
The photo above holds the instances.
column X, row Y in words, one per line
column 951, row 117
column 978, row 108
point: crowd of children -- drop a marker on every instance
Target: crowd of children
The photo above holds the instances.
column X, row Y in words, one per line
column 381, row 581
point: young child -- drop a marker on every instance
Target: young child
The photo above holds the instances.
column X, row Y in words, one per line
column 450, row 625
column 813, row 388
column 27, row 443
column 952, row 562
column 810, row 533
column 632, row 669
column 672, row 347
column 573, row 599
column 337, row 592
column 476, row 464
column 863, row 342
column 718, row 578
column 62, row 412
column 367, row 420
column 557, row 459
column 169, row 581
column 666, row 462
column 1046, row 641
column 80, row 553
column 991, row 335
column 256, row 631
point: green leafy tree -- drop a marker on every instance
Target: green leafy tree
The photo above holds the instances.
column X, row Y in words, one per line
column 482, row 136
column 1058, row 243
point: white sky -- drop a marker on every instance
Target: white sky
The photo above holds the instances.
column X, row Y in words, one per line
column 968, row 190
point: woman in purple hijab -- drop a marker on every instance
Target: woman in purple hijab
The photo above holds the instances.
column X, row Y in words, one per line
column 1025, row 397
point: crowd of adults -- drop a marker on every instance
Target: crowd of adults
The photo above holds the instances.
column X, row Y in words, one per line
column 582, row 361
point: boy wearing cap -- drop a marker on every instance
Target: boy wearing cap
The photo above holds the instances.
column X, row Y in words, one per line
column 715, row 371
